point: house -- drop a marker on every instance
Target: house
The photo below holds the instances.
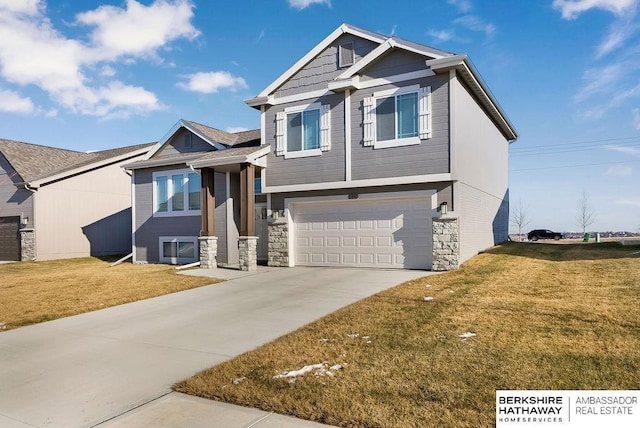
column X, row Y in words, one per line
column 57, row 203
column 373, row 151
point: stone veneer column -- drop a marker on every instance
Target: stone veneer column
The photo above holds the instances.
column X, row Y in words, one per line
column 446, row 246
column 208, row 246
column 248, row 253
column 279, row 242
column 27, row 244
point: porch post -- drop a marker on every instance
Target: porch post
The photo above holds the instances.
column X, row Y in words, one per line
column 247, row 242
column 208, row 242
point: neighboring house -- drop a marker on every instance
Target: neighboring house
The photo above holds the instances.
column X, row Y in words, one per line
column 373, row 152
column 57, row 203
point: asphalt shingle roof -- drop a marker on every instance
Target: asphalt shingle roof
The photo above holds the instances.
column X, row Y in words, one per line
column 33, row 161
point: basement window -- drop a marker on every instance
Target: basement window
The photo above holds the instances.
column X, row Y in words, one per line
column 178, row 249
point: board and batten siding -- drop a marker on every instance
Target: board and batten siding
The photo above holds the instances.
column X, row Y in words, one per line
column 431, row 156
column 324, row 67
column 481, row 164
column 14, row 202
column 177, row 146
column 148, row 229
column 330, row 166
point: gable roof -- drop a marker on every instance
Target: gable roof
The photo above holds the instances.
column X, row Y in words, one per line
column 37, row 165
column 217, row 138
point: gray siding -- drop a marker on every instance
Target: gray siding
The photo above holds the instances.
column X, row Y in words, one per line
column 148, row 229
column 394, row 62
column 444, row 189
column 328, row 167
column 315, row 75
column 430, row 157
column 176, row 144
column 220, row 223
column 13, row 201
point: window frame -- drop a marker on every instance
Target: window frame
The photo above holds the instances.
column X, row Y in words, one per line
column 303, row 152
column 178, row 239
column 395, row 93
column 169, row 174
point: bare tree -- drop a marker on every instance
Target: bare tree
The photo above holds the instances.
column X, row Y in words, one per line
column 585, row 215
column 520, row 217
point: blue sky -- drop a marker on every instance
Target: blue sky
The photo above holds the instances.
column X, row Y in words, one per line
column 101, row 74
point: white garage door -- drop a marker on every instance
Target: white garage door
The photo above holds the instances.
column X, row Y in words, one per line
column 389, row 233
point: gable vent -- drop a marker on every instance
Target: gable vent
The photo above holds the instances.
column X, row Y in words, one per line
column 346, row 54
column 187, row 140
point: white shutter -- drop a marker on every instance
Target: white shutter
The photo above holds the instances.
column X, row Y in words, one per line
column 280, row 134
column 425, row 112
column 368, row 122
column 325, row 127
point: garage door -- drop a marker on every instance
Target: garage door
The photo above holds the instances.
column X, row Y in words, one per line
column 9, row 239
column 388, row 233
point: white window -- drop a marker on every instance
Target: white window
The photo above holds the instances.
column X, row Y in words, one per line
column 346, row 55
column 397, row 117
column 303, row 131
column 178, row 249
column 176, row 193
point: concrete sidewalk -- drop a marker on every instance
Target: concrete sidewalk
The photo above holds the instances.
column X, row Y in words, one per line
column 84, row 370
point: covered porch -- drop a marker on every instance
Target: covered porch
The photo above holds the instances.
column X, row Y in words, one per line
column 231, row 241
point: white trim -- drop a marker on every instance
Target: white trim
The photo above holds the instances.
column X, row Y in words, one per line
column 291, row 203
column 269, row 211
column 371, row 121
column 252, row 158
column 263, row 123
column 398, row 142
column 396, row 91
column 453, row 126
column 169, row 173
column 229, row 213
column 325, row 127
column 133, row 216
column 344, row 28
column 302, row 154
column 347, row 135
column 177, row 239
column 409, row 179
column 302, row 107
column 397, row 78
column 312, row 95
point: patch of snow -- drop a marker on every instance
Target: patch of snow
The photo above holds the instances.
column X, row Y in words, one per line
column 365, row 337
column 354, row 335
column 467, row 335
column 428, row 285
column 368, row 341
column 324, row 340
column 238, row 380
column 302, row 371
column 450, row 291
column 336, row 367
column 428, row 298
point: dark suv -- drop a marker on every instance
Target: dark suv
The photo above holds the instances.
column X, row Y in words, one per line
column 536, row 234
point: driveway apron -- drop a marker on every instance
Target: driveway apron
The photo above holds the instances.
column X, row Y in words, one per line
column 83, row 370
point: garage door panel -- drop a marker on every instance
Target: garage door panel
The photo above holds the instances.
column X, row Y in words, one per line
column 373, row 233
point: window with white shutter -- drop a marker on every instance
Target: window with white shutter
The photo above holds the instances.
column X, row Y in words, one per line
column 303, row 131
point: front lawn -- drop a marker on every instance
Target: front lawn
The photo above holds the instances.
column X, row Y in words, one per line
column 33, row 292
column 544, row 316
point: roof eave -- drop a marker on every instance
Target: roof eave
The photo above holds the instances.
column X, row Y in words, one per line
column 251, row 158
column 462, row 64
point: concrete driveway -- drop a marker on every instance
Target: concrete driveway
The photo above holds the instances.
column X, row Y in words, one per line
column 83, row 370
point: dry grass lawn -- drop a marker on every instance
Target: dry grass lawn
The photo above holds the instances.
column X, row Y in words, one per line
column 545, row 317
column 33, row 292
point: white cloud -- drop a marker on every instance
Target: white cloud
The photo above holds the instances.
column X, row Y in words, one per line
column 441, row 35
column 620, row 31
column 211, row 82
column 11, row 102
column 636, row 118
column 234, row 129
column 138, row 30
column 619, row 171
column 571, row 9
column 474, row 23
column 632, row 151
column 463, row 6
column 303, row 4
column 633, row 202
column 33, row 52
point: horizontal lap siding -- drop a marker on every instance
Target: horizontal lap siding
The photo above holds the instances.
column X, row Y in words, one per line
column 316, row 169
column 176, row 145
column 323, row 68
column 429, row 157
column 13, row 201
column 149, row 229
column 395, row 62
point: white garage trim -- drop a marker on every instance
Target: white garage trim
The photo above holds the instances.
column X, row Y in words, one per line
column 304, row 203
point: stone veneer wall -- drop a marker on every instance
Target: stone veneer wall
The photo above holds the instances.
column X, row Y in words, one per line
column 279, row 242
column 446, row 245
column 27, row 244
column 208, row 248
column 248, row 253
